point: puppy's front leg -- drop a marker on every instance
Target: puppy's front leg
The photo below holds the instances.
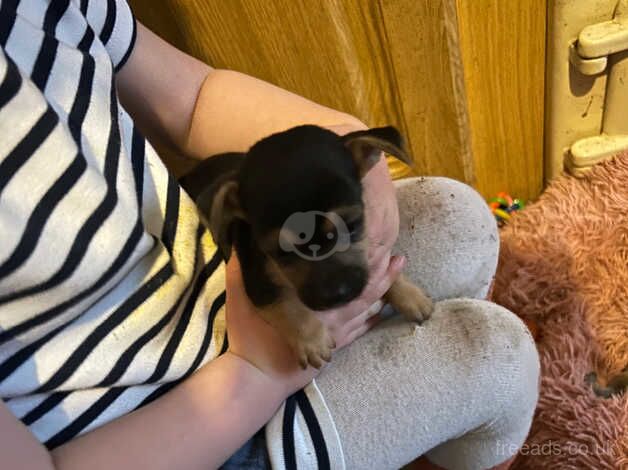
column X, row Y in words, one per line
column 305, row 333
column 409, row 300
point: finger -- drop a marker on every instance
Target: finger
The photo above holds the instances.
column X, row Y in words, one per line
column 374, row 320
column 362, row 329
column 397, row 263
column 395, row 266
column 378, row 256
column 363, row 317
column 374, row 309
column 358, row 310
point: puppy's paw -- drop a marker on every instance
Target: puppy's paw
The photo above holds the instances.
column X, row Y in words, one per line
column 409, row 300
column 416, row 307
column 313, row 345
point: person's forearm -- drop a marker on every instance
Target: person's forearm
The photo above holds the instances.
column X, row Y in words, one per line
column 198, row 425
column 158, row 86
column 182, row 103
column 233, row 111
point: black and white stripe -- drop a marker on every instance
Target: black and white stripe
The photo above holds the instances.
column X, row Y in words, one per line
column 308, row 436
column 300, row 402
column 111, row 292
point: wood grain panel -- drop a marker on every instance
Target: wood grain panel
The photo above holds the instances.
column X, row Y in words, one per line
column 307, row 47
column 422, row 37
column 503, row 50
column 385, row 61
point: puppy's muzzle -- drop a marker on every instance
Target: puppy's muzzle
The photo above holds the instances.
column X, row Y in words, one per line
column 336, row 287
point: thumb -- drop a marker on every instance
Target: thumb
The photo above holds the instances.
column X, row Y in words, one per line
column 395, row 267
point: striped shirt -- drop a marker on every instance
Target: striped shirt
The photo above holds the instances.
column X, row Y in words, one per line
column 111, row 290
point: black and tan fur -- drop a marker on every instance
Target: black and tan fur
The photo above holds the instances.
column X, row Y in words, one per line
column 245, row 200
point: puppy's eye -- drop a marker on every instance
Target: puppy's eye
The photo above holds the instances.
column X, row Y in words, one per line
column 329, row 235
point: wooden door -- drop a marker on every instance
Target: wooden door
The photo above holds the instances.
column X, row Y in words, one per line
column 462, row 79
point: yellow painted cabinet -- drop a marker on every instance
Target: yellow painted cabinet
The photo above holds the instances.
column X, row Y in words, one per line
column 462, row 79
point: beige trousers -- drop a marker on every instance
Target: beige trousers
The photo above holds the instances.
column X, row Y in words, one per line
column 462, row 387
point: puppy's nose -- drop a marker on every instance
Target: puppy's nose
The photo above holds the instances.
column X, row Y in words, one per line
column 332, row 288
column 344, row 292
column 338, row 293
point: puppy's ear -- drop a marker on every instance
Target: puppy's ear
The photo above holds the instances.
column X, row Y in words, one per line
column 365, row 146
column 220, row 209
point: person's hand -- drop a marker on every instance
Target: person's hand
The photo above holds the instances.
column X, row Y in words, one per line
column 254, row 340
column 380, row 200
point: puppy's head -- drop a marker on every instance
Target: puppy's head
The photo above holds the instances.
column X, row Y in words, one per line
column 299, row 194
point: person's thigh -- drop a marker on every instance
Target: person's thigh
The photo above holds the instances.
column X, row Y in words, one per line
column 449, row 237
column 465, row 384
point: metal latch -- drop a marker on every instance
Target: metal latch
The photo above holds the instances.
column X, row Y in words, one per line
column 596, row 42
column 590, row 55
column 586, row 152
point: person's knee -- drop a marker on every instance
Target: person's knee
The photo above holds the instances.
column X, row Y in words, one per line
column 505, row 365
column 513, row 357
column 449, row 236
column 508, row 432
column 403, row 388
column 490, row 342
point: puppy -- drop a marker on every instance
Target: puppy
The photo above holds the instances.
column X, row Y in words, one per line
column 292, row 208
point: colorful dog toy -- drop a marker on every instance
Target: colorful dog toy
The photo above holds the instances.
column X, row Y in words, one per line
column 503, row 205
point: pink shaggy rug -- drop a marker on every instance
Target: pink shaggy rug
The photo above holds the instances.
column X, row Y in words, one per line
column 564, row 266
